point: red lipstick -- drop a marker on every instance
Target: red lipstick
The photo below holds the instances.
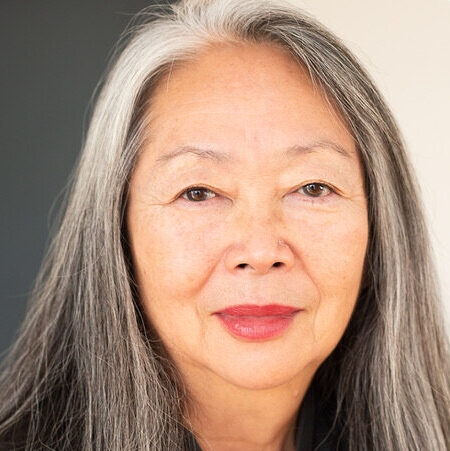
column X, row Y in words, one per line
column 257, row 321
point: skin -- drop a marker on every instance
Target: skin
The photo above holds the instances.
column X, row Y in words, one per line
column 194, row 257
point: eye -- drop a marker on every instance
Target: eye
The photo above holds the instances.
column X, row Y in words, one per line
column 195, row 193
column 312, row 190
column 316, row 190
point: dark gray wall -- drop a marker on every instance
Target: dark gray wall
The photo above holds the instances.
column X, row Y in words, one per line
column 53, row 53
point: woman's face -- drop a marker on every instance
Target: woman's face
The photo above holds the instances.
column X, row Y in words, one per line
column 276, row 163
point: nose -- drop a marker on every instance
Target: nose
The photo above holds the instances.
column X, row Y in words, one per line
column 259, row 249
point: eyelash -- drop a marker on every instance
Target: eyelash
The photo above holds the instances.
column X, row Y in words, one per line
column 311, row 199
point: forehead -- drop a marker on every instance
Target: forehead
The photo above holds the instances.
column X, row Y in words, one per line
column 256, row 95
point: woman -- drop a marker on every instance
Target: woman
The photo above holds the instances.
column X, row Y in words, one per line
column 242, row 262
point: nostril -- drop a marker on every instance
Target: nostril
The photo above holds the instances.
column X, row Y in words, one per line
column 243, row 265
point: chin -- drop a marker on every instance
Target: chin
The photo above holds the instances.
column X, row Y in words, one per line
column 259, row 375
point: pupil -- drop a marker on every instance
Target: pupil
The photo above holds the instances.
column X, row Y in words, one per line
column 315, row 188
column 196, row 191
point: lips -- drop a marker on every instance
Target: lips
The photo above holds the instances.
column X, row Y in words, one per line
column 256, row 322
column 258, row 310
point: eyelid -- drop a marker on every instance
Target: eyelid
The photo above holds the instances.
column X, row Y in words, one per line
column 316, row 182
column 189, row 188
column 318, row 199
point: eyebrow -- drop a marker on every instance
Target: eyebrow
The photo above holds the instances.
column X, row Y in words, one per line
column 224, row 158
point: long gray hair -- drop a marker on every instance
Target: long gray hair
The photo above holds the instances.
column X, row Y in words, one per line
column 87, row 370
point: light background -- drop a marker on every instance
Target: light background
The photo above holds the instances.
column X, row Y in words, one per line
column 405, row 45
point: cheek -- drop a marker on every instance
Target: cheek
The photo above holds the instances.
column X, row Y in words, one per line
column 172, row 258
column 335, row 249
column 333, row 258
column 172, row 255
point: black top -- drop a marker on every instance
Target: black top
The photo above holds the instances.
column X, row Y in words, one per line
column 313, row 424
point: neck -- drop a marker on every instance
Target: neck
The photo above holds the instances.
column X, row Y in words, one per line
column 227, row 417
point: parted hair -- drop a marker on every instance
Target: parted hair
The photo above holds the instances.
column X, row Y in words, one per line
column 87, row 370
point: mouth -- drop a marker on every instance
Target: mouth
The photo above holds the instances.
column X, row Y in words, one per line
column 258, row 310
column 257, row 322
